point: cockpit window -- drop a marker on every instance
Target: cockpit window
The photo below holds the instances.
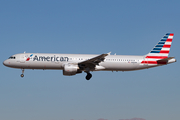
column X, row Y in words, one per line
column 12, row 57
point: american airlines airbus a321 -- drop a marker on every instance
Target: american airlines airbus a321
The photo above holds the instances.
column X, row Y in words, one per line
column 72, row 64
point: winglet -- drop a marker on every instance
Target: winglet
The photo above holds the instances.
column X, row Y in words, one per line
column 109, row 53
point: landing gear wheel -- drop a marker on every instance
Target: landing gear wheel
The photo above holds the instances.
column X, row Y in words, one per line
column 88, row 76
column 22, row 75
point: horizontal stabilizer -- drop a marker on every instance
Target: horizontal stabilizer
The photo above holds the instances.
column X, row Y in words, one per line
column 164, row 61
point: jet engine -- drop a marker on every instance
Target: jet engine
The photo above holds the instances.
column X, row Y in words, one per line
column 70, row 70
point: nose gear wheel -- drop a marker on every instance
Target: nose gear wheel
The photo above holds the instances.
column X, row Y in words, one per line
column 22, row 75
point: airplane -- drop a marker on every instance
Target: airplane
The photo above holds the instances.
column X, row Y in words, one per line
column 72, row 64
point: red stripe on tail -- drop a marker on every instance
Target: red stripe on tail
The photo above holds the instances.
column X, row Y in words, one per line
column 164, row 51
column 169, row 40
column 153, row 62
column 166, row 46
column 157, row 57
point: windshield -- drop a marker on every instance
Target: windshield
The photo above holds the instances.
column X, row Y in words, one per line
column 12, row 57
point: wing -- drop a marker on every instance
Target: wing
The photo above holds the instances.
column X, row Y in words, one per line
column 91, row 63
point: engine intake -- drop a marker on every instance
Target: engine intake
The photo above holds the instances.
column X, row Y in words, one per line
column 70, row 70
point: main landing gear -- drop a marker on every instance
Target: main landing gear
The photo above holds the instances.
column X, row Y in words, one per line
column 88, row 76
column 22, row 75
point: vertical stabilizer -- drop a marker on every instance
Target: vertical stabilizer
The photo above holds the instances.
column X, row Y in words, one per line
column 160, row 51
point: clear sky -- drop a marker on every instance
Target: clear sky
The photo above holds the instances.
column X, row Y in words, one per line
column 124, row 27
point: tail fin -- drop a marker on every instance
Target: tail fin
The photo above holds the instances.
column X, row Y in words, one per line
column 159, row 54
column 161, row 50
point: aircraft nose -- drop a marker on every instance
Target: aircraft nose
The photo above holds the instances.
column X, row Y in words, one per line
column 5, row 63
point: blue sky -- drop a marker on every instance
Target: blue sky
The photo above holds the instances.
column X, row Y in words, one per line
column 88, row 27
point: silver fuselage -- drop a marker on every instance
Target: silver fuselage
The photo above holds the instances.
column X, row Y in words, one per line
column 57, row 61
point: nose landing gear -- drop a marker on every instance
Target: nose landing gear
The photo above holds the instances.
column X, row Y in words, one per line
column 22, row 75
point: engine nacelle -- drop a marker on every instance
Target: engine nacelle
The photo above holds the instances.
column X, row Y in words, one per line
column 70, row 69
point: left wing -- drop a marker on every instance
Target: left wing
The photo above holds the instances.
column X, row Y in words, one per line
column 91, row 63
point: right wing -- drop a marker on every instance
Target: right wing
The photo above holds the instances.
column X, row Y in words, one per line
column 91, row 63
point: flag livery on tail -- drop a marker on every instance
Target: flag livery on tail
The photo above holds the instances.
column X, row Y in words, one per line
column 159, row 54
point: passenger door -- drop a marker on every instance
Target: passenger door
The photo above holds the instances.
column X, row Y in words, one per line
column 22, row 58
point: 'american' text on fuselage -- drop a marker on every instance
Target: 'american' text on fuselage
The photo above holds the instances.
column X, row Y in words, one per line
column 47, row 58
